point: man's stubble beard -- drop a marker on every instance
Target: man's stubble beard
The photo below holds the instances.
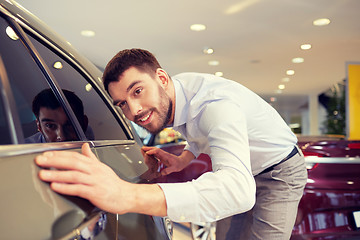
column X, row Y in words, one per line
column 164, row 108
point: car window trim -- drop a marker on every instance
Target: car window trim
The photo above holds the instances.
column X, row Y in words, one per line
column 48, row 76
column 101, row 92
column 22, row 149
column 9, row 106
column 104, row 143
column 94, row 83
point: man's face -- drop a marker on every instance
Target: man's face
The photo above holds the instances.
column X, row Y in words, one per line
column 143, row 99
column 55, row 126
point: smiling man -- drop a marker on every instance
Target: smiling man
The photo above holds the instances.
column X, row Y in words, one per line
column 258, row 172
column 143, row 102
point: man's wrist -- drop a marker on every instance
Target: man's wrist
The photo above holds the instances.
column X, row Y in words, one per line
column 146, row 199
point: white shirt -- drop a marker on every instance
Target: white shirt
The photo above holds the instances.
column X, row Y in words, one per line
column 241, row 133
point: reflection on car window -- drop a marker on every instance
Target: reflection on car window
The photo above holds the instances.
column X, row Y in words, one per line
column 52, row 122
column 167, row 135
column 100, row 119
column 25, row 78
column 4, row 129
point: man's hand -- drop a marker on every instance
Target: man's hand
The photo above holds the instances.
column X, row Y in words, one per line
column 171, row 162
column 83, row 175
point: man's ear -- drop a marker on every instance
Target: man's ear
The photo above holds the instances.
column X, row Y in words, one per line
column 163, row 77
column 85, row 123
column 38, row 125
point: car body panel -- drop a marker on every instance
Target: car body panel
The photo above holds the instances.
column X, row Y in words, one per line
column 30, row 209
column 40, row 206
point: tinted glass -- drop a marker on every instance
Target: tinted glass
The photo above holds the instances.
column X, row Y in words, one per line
column 102, row 124
column 4, row 129
column 26, row 81
column 167, row 135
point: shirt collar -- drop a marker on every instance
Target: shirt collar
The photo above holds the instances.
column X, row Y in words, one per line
column 181, row 105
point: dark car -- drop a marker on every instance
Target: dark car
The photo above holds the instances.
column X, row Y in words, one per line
column 330, row 206
column 35, row 63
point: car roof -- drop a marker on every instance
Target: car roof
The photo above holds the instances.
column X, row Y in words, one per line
column 28, row 20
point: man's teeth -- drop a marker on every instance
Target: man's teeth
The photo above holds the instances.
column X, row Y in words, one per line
column 145, row 118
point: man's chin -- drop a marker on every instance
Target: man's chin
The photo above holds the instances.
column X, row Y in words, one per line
column 153, row 131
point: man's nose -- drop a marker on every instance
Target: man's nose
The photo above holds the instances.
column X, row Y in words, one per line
column 135, row 108
column 60, row 135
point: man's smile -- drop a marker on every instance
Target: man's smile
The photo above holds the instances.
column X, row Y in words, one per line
column 145, row 119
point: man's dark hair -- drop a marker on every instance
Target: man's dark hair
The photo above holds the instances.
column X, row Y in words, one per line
column 143, row 60
column 47, row 99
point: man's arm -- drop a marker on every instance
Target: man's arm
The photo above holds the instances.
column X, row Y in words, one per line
column 230, row 188
column 83, row 175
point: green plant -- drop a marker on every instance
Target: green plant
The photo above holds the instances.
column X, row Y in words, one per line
column 336, row 116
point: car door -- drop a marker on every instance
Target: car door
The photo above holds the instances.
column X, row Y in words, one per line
column 107, row 131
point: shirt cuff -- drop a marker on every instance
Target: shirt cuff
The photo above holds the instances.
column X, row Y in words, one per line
column 179, row 196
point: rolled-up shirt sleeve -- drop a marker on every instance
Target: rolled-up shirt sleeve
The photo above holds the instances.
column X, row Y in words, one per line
column 230, row 188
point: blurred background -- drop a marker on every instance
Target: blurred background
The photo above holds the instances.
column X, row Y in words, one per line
column 292, row 53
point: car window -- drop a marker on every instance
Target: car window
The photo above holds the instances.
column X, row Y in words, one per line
column 26, row 81
column 102, row 124
column 166, row 136
column 4, row 129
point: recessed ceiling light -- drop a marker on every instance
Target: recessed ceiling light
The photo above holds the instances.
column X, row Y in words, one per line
column 281, row 86
column 219, row 74
column 213, row 63
column 198, row 27
column 11, row 34
column 297, row 60
column 305, row 46
column 278, row 91
column 321, row 22
column 88, row 33
column 208, row 50
column 286, row 79
column 290, row 72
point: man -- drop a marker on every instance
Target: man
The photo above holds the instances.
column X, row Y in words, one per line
column 256, row 164
column 51, row 120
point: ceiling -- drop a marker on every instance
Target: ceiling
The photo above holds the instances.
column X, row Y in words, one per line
column 253, row 40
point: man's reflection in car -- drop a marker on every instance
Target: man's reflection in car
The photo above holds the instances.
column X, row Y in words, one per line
column 51, row 120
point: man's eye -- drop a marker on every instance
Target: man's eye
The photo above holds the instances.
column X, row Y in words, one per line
column 122, row 104
column 138, row 91
column 50, row 125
